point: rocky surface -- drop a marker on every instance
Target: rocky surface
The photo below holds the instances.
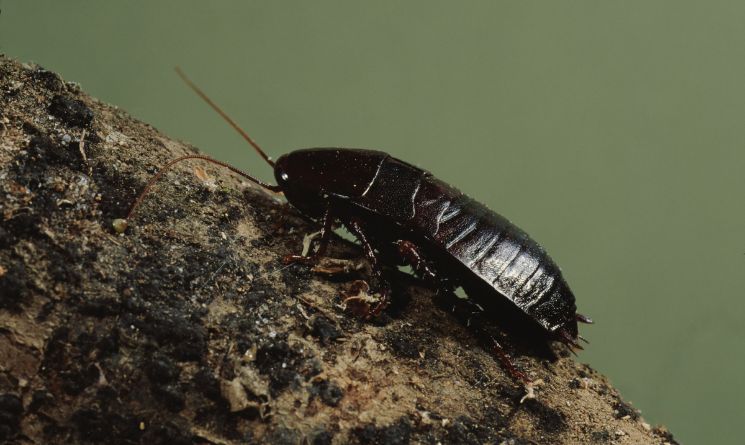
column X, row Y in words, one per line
column 188, row 329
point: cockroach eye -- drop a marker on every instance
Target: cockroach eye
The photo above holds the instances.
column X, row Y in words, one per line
column 284, row 176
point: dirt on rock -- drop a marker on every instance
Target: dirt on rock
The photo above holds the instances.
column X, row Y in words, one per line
column 187, row 329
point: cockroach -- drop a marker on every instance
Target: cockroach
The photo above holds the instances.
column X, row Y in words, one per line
column 401, row 213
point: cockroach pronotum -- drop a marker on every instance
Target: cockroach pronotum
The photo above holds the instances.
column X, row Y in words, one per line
column 399, row 212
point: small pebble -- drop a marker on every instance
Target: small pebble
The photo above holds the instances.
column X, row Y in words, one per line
column 120, row 225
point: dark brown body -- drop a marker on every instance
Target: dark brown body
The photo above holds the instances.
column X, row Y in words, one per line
column 465, row 241
column 401, row 214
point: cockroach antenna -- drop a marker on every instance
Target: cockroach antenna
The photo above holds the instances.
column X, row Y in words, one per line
column 168, row 166
column 121, row 224
column 224, row 115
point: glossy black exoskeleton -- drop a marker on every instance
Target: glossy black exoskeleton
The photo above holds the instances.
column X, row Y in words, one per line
column 397, row 210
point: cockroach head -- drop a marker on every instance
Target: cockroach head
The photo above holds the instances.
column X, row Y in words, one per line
column 301, row 179
column 310, row 178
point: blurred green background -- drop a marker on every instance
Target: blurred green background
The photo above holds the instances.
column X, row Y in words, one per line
column 611, row 131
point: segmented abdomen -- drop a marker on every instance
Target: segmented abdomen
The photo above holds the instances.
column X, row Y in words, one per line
column 495, row 250
column 491, row 248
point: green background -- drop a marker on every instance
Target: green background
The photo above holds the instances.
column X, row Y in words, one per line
column 611, row 131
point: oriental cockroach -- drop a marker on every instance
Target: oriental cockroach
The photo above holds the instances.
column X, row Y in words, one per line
column 401, row 213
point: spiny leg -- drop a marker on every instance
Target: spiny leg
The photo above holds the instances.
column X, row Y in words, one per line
column 565, row 337
column 312, row 258
column 356, row 228
column 508, row 364
column 413, row 256
column 479, row 322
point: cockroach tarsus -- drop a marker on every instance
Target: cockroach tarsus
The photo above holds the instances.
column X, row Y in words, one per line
column 403, row 215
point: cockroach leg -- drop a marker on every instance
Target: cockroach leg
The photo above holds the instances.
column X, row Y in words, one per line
column 385, row 300
column 565, row 337
column 355, row 227
column 508, row 364
column 583, row 319
column 312, row 258
column 413, row 256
